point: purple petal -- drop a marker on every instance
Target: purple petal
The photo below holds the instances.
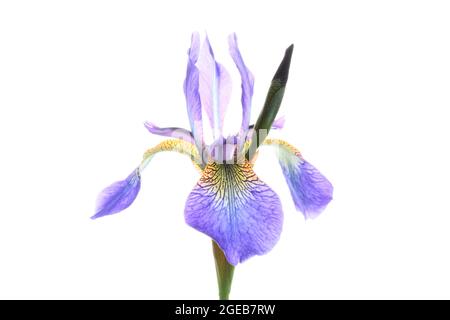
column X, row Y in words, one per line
column 191, row 91
column 173, row 132
column 223, row 150
column 310, row 190
column 240, row 212
column 214, row 88
column 247, row 81
column 279, row 123
column 118, row 196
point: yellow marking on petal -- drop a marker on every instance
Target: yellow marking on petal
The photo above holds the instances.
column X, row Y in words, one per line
column 246, row 146
column 229, row 182
column 282, row 144
column 288, row 155
column 176, row 145
column 278, row 143
column 244, row 152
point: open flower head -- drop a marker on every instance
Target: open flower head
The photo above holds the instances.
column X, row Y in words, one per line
column 229, row 203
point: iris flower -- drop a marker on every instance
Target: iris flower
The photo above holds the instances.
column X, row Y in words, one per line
column 229, row 203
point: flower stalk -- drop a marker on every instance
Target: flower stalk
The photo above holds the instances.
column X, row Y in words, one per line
column 224, row 272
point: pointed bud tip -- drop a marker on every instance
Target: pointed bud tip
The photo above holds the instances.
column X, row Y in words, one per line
column 282, row 73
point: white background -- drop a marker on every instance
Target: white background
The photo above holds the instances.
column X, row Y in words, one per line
column 367, row 103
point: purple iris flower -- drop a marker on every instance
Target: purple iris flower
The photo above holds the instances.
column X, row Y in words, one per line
column 229, row 203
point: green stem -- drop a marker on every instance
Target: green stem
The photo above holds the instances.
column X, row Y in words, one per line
column 224, row 272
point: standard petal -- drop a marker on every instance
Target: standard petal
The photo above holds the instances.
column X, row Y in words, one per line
column 247, row 81
column 235, row 208
column 191, row 91
column 310, row 190
column 173, row 132
column 214, row 88
column 118, row 196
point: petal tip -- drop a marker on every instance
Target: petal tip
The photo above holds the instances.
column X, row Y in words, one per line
column 148, row 125
column 95, row 216
column 232, row 40
column 312, row 192
column 118, row 196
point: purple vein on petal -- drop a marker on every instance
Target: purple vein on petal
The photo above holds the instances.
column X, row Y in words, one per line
column 310, row 190
column 236, row 209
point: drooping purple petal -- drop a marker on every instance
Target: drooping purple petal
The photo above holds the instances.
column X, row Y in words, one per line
column 247, row 81
column 236, row 209
column 214, row 87
column 118, row 196
column 310, row 190
column 191, row 91
column 173, row 132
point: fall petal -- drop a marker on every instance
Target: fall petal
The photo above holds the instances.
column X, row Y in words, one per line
column 236, row 209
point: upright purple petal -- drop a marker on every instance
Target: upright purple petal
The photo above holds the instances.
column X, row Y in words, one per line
column 236, row 209
column 310, row 190
column 247, row 81
column 214, row 88
column 118, row 196
column 173, row 132
column 191, row 91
